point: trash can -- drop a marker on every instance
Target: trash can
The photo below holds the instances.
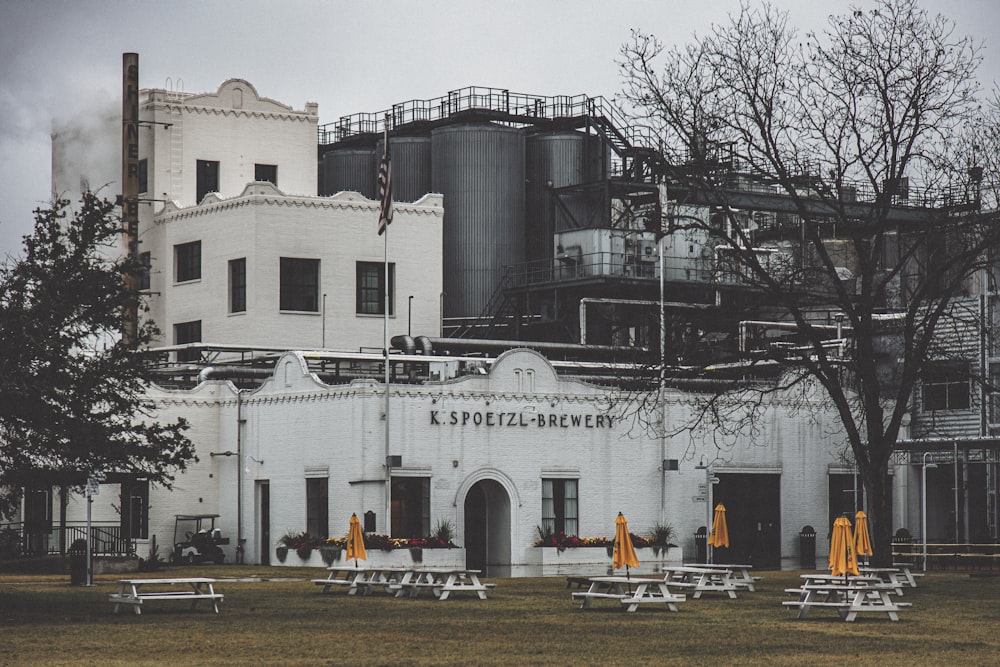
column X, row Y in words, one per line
column 904, row 548
column 78, row 563
column 807, row 548
column 701, row 545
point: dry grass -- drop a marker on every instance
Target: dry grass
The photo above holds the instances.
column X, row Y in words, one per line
column 44, row 621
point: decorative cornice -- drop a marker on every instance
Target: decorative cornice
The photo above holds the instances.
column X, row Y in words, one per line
column 351, row 201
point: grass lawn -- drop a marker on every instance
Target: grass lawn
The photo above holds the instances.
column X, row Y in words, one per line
column 954, row 620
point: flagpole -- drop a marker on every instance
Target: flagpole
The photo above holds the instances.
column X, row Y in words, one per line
column 385, row 333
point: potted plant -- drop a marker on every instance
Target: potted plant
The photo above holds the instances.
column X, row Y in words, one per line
column 661, row 537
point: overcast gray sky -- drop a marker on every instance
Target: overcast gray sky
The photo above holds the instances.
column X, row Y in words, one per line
column 61, row 57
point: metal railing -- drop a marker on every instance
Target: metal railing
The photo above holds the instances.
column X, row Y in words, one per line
column 107, row 539
column 514, row 108
column 607, row 264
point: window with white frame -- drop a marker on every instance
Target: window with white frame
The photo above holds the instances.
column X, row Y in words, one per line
column 318, row 506
column 299, row 284
column 370, row 288
column 187, row 261
column 560, row 506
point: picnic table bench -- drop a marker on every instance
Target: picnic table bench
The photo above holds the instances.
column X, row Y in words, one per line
column 700, row 580
column 740, row 574
column 404, row 581
column 134, row 592
column 848, row 597
column 630, row 592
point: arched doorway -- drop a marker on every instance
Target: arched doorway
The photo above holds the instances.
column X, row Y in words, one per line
column 487, row 528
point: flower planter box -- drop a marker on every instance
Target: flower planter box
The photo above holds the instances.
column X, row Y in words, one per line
column 379, row 558
column 592, row 561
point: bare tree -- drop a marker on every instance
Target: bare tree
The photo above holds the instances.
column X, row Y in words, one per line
column 846, row 201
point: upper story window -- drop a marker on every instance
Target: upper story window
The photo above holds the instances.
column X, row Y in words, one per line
column 238, row 285
column 266, row 172
column 206, row 178
column 370, row 289
column 946, row 387
column 187, row 261
column 143, row 174
column 299, row 289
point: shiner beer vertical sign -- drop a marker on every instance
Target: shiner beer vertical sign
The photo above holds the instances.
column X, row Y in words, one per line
column 130, row 182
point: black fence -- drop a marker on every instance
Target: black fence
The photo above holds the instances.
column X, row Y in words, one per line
column 20, row 541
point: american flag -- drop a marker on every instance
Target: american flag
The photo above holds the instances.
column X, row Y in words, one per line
column 385, row 195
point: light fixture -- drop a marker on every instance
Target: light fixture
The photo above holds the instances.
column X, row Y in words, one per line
column 923, row 503
column 255, row 460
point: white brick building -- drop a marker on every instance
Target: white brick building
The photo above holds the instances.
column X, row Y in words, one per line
column 483, row 452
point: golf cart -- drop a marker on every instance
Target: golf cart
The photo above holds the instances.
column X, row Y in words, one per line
column 196, row 539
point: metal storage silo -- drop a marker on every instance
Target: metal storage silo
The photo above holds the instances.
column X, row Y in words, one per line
column 556, row 160
column 411, row 166
column 350, row 169
column 479, row 168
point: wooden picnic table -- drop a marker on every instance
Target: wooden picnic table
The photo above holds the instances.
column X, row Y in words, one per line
column 848, row 596
column 887, row 575
column 442, row 582
column 699, row 579
column 630, row 592
column 404, row 581
column 740, row 574
column 135, row 592
column 360, row 579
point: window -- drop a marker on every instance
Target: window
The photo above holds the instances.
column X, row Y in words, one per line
column 317, row 506
column 299, row 288
column 143, row 175
column 207, row 178
column 266, row 172
column 946, row 387
column 187, row 332
column 559, row 506
column 411, row 502
column 187, row 261
column 145, row 262
column 238, row 285
column 135, row 509
column 371, row 288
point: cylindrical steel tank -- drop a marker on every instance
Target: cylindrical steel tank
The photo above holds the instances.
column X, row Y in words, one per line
column 350, row 169
column 557, row 160
column 411, row 166
column 479, row 167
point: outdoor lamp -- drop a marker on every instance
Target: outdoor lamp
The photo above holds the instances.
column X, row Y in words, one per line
column 923, row 503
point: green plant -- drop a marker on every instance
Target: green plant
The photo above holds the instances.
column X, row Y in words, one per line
column 444, row 531
column 154, row 562
column 303, row 543
column 662, row 535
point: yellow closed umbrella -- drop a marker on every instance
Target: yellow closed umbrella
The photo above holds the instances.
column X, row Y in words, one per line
column 843, row 560
column 720, row 531
column 862, row 541
column 356, row 541
column 624, row 552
